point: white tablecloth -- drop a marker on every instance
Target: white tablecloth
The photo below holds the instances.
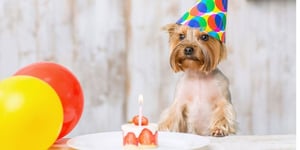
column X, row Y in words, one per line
column 249, row 142
column 266, row 142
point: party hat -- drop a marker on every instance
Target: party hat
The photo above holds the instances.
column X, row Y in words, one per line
column 209, row 16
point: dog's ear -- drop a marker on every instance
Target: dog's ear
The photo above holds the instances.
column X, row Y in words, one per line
column 223, row 53
column 170, row 28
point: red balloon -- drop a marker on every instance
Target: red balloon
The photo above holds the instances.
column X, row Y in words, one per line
column 66, row 86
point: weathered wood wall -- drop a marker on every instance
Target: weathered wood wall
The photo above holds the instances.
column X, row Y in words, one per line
column 117, row 50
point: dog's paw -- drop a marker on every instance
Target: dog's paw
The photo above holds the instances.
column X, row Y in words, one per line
column 163, row 127
column 219, row 133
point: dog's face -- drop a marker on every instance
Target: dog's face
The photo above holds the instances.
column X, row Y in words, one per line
column 192, row 49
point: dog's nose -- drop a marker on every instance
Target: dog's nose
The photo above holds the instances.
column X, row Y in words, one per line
column 188, row 51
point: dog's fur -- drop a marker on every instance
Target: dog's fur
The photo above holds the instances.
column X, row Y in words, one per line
column 202, row 102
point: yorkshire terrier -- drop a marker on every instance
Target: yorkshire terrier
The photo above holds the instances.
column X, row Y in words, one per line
column 202, row 102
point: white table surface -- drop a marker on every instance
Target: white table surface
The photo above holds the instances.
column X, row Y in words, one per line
column 233, row 142
column 253, row 142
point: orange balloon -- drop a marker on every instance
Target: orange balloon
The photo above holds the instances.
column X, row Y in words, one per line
column 66, row 86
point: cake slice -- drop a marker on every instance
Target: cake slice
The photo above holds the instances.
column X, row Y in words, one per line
column 139, row 137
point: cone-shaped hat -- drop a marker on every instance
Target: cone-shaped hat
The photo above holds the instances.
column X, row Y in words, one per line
column 209, row 16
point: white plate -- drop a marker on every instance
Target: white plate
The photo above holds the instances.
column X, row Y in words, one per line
column 113, row 141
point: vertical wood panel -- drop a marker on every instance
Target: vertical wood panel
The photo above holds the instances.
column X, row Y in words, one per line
column 262, row 44
column 143, row 59
column 100, row 62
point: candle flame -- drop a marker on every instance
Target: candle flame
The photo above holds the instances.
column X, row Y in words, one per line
column 141, row 99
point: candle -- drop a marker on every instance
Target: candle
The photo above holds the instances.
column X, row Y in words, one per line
column 140, row 100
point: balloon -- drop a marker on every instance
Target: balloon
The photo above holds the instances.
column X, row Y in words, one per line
column 66, row 86
column 31, row 114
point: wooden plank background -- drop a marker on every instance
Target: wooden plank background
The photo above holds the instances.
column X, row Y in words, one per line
column 117, row 50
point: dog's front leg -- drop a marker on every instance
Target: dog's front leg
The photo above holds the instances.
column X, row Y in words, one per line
column 174, row 119
column 223, row 121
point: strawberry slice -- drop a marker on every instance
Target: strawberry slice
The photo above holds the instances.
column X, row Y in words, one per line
column 130, row 138
column 146, row 137
column 135, row 120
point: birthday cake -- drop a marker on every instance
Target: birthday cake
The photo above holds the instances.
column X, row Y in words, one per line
column 139, row 134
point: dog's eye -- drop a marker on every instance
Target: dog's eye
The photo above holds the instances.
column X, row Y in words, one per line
column 204, row 37
column 181, row 36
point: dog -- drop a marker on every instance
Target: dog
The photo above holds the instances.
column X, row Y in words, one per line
column 202, row 102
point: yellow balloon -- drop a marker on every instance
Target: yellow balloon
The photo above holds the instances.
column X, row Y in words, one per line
column 31, row 114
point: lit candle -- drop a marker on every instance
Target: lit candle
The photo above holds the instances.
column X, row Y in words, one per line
column 141, row 100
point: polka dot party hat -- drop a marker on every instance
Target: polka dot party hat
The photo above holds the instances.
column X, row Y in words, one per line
column 209, row 16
